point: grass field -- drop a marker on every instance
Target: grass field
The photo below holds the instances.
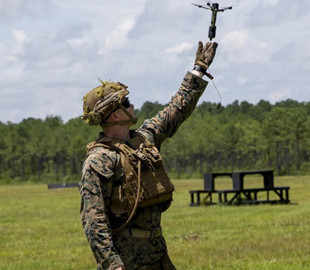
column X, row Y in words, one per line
column 41, row 229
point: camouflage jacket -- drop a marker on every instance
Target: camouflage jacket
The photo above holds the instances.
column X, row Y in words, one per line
column 101, row 171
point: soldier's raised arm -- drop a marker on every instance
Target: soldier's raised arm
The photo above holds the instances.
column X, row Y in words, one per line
column 182, row 104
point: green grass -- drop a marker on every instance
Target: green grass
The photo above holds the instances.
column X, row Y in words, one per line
column 41, row 229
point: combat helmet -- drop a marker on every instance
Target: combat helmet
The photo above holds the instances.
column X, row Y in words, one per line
column 101, row 101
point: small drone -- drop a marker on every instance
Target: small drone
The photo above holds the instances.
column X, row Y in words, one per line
column 214, row 7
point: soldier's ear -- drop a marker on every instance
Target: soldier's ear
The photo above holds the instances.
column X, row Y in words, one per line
column 113, row 116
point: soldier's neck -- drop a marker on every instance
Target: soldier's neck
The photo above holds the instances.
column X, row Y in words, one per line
column 118, row 132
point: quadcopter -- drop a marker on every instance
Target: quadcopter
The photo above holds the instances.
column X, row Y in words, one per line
column 214, row 7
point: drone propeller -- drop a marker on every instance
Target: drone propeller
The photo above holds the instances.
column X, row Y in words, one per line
column 222, row 9
column 210, row 7
column 201, row 6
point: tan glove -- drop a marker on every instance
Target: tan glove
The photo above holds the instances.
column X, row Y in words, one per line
column 204, row 56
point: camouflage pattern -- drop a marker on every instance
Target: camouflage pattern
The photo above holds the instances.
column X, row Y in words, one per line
column 102, row 100
column 102, row 171
column 205, row 54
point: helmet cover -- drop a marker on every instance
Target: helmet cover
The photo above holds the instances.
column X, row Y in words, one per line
column 102, row 100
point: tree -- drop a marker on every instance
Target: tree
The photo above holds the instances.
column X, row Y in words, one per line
column 276, row 129
column 239, row 136
column 297, row 118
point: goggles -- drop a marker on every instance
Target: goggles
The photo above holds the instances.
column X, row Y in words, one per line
column 126, row 103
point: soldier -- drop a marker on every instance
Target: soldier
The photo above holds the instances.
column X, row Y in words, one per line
column 124, row 187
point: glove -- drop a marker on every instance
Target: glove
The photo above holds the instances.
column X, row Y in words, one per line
column 205, row 55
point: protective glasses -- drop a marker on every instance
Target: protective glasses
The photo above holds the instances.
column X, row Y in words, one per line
column 126, row 103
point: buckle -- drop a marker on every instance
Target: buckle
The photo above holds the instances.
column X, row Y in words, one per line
column 155, row 233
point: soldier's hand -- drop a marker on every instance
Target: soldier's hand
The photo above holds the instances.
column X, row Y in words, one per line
column 120, row 268
column 205, row 54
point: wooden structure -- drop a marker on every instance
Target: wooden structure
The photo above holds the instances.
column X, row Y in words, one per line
column 239, row 194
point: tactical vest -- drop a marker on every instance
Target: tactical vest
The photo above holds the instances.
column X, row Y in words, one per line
column 146, row 181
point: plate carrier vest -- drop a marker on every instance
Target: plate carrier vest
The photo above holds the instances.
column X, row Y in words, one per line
column 146, row 181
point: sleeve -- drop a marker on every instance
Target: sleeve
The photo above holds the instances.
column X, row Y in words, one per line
column 96, row 188
column 166, row 122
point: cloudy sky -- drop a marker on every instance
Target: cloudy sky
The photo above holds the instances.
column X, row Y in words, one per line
column 52, row 52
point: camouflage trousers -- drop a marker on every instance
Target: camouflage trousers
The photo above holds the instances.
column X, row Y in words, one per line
column 143, row 253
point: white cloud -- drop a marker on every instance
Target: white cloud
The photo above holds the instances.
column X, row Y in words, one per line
column 180, row 48
column 21, row 39
column 270, row 2
column 119, row 35
column 20, row 36
column 280, row 95
column 11, row 10
column 273, row 13
column 10, row 49
column 51, row 56
column 243, row 80
column 243, row 48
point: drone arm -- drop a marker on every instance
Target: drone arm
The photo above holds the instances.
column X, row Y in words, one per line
column 200, row 6
column 223, row 9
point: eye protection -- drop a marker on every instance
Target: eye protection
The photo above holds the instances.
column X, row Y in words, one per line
column 126, row 103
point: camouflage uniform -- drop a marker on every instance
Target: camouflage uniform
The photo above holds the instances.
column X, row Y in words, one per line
column 101, row 172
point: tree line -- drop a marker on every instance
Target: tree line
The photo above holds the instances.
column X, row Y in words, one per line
column 239, row 136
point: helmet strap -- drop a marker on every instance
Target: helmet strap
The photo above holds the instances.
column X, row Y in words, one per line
column 132, row 119
column 109, row 124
